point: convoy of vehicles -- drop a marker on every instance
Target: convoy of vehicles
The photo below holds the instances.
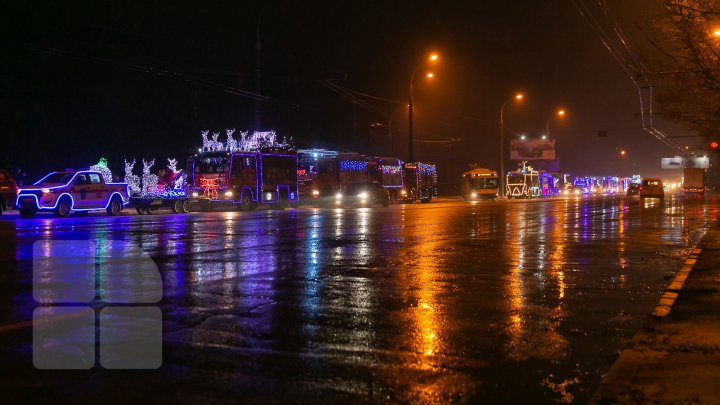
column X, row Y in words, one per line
column 8, row 191
column 257, row 171
column 72, row 191
column 322, row 174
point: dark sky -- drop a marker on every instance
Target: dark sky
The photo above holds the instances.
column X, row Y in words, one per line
column 141, row 79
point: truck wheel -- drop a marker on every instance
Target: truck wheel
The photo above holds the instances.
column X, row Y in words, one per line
column 186, row 206
column 63, row 209
column 27, row 213
column 140, row 210
column 2, row 206
column 426, row 200
column 115, row 207
column 177, row 207
column 246, row 202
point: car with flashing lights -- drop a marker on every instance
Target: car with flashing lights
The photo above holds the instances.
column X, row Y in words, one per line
column 652, row 187
column 363, row 194
column 8, row 191
column 69, row 191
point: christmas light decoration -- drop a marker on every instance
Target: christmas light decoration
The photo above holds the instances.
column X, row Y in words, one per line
column 149, row 180
column 352, row 165
column 388, row 169
column 102, row 167
column 232, row 143
column 133, row 181
column 172, row 165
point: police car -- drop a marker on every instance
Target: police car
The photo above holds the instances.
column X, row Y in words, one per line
column 72, row 191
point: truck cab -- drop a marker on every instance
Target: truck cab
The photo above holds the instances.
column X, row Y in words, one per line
column 67, row 191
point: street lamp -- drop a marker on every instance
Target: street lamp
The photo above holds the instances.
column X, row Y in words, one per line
column 560, row 113
column 516, row 97
column 433, row 58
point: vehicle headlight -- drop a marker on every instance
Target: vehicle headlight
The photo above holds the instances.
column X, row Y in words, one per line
column 316, row 192
column 195, row 194
column 403, row 192
column 577, row 191
column 338, row 196
column 362, row 195
column 268, row 196
column 566, row 192
column 229, row 193
column 473, row 195
column 46, row 191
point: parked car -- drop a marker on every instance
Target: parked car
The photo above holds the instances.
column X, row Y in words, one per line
column 68, row 191
column 364, row 194
column 652, row 187
column 633, row 189
column 8, row 191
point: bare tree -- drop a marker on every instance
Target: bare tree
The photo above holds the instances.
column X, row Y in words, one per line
column 687, row 36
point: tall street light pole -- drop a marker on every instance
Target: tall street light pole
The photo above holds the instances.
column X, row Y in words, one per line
column 560, row 113
column 517, row 97
column 411, row 157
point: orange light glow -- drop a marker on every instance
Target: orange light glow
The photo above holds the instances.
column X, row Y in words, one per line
column 430, row 75
column 434, row 57
column 519, row 96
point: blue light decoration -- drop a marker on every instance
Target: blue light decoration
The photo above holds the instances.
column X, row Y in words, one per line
column 352, row 166
column 32, row 193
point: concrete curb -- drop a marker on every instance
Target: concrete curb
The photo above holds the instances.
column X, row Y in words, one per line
column 675, row 357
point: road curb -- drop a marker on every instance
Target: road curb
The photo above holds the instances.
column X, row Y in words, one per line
column 675, row 356
column 668, row 298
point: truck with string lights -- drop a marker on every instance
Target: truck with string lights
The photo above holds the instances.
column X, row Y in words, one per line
column 256, row 171
column 523, row 183
column 419, row 183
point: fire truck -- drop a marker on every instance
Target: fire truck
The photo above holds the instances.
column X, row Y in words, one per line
column 419, row 182
column 322, row 174
column 244, row 179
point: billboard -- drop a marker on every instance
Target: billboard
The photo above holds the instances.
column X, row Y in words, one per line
column 532, row 149
column 678, row 162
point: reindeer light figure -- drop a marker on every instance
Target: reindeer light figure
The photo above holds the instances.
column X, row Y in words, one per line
column 149, row 180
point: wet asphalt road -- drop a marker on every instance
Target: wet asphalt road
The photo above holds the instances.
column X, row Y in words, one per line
column 448, row 301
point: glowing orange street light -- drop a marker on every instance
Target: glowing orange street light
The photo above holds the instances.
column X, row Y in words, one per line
column 501, row 191
column 432, row 58
column 561, row 113
column 716, row 32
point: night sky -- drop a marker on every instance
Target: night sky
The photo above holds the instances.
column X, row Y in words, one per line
column 142, row 79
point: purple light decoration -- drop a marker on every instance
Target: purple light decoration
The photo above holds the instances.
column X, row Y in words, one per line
column 352, row 165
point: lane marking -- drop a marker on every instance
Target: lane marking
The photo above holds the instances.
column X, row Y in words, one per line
column 668, row 298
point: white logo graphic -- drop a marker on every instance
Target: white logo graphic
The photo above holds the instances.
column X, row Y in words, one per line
column 82, row 284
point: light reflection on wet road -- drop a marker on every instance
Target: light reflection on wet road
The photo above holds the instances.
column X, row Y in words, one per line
column 449, row 301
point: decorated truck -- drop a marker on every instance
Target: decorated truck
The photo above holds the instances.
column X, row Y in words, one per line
column 322, row 174
column 69, row 191
column 419, row 182
column 257, row 170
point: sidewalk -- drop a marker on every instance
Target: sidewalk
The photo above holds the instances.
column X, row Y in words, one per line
column 675, row 358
